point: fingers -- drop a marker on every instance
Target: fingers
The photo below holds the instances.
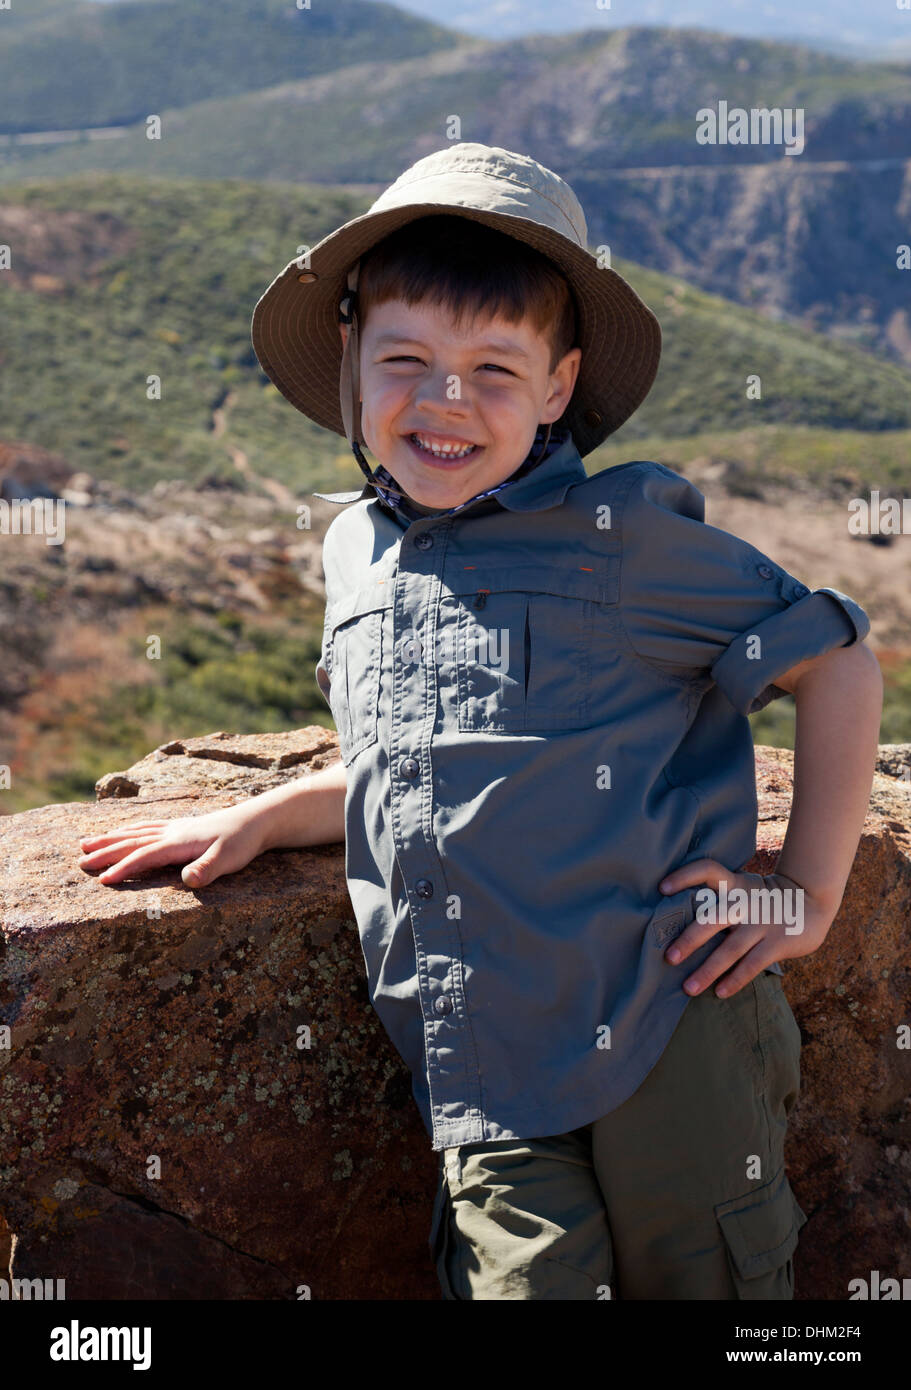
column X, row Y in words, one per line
column 115, row 849
column 134, row 849
column 711, row 913
column 734, row 947
column 745, row 906
column 90, row 842
column 120, row 855
column 742, row 944
column 747, row 968
column 151, row 853
column 147, row 855
column 697, row 871
column 694, row 936
column 139, row 861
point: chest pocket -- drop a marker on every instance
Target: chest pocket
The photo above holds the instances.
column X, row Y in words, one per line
column 523, row 647
column 354, row 664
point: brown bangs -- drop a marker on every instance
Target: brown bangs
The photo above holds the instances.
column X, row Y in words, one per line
column 473, row 271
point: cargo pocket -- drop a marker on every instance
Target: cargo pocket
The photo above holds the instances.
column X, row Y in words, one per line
column 525, row 644
column 492, row 654
column 354, row 656
column 760, row 1231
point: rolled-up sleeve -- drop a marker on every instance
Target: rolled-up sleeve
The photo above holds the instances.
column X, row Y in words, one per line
column 809, row 626
column 696, row 601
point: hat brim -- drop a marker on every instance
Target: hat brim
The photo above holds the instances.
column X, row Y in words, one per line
column 297, row 341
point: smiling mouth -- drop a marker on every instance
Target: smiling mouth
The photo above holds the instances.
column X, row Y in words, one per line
column 443, row 453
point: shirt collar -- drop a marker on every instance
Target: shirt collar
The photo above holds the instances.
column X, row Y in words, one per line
column 532, row 487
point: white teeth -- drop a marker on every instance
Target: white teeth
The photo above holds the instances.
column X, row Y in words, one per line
column 442, row 451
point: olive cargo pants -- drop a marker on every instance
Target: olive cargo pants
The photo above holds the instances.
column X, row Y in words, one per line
column 679, row 1193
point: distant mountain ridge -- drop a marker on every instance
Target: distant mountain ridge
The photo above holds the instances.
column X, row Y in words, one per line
column 74, row 64
column 835, row 25
column 78, row 64
column 630, row 98
column 839, row 25
column 812, row 237
column 116, row 277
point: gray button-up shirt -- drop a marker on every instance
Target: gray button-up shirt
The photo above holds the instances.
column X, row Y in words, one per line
column 541, row 702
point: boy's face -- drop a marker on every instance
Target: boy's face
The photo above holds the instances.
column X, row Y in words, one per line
column 488, row 386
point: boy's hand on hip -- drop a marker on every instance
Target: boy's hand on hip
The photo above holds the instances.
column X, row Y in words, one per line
column 770, row 916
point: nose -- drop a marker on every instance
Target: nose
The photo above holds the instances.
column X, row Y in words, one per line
column 441, row 394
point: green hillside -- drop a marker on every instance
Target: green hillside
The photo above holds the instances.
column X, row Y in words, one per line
column 239, row 95
column 169, row 291
column 71, row 66
column 117, row 278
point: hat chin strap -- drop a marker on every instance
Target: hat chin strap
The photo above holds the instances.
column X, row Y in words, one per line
column 350, row 386
column 350, row 389
column 349, row 376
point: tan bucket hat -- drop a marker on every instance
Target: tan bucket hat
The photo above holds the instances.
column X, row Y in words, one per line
column 295, row 323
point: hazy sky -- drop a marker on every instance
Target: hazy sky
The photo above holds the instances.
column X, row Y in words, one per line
column 837, row 23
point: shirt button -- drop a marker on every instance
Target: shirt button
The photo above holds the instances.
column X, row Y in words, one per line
column 424, row 888
column 443, row 1005
column 766, row 571
column 800, row 590
column 424, row 541
column 409, row 767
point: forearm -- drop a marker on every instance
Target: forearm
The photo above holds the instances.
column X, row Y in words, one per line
column 308, row 811
column 839, row 705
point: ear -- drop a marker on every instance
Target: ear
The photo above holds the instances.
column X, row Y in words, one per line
column 563, row 381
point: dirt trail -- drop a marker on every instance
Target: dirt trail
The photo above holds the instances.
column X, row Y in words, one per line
column 276, row 490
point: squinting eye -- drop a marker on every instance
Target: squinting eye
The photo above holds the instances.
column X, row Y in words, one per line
column 493, row 365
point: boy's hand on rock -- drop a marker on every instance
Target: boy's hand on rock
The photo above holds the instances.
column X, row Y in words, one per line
column 770, row 917
column 219, row 842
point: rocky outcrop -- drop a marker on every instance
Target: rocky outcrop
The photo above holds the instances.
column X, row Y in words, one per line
column 849, row 1140
column 27, row 470
column 197, row 1100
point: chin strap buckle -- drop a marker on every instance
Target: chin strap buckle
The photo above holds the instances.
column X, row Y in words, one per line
column 349, row 300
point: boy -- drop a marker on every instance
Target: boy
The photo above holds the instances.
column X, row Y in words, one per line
column 540, row 682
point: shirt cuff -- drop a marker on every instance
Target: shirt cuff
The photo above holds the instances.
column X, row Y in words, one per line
column 823, row 619
column 322, row 680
